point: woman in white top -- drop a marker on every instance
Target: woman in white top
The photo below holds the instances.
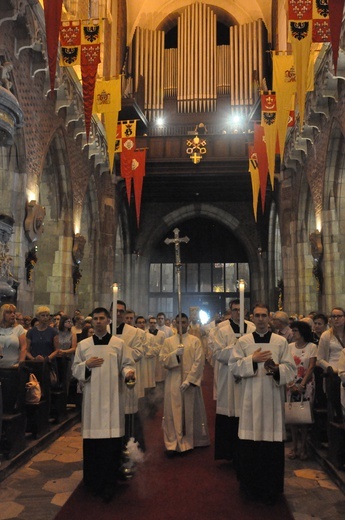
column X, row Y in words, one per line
column 332, row 342
column 303, row 386
column 12, row 337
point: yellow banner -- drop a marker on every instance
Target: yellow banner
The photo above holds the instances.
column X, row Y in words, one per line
column 301, row 38
column 285, row 86
column 110, row 123
column 107, row 96
column 255, row 178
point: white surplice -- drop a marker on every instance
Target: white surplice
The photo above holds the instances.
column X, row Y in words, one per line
column 195, row 421
column 103, row 393
column 228, row 388
column 135, row 340
column 154, row 344
column 262, row 398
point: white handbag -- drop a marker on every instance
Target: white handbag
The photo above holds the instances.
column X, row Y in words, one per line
column 298, row 412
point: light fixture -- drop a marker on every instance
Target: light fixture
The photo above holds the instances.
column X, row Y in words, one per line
column 160, row 121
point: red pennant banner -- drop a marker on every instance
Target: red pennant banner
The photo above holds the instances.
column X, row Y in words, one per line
column 52, row 15
column 90, row 58
column 126, row 171
column 138, row 168
column 336, row 8
column 260, row 150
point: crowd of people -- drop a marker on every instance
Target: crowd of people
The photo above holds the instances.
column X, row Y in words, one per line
column 125, row 374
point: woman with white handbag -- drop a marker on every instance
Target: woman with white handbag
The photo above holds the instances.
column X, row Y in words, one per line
column 302, row 389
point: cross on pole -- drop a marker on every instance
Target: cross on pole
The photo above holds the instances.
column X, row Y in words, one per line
column 177, row 241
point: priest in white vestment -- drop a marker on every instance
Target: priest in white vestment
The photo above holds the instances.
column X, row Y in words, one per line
column 184, row 422
column 103, row 363
column 261, row 426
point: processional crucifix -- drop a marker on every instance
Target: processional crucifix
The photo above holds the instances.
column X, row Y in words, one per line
column 178, row 265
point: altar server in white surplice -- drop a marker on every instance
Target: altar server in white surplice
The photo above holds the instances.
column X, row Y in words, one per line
column 135, row 339
column 183, row 392
column 228, row 387
column 103, row 363
column 261, row 427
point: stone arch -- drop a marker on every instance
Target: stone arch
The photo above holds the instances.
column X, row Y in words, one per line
column 53, row 272
column 191, row 211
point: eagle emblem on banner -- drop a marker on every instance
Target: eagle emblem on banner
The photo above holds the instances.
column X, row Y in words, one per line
column 322, row 8
column 91, row 33
column 299, row 30
column 269, row 117
column 70, row 55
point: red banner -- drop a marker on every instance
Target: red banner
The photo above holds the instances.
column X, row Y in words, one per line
column 261, row 153
column 336, row 8
column 90, row 58
column 138, row 168
column 52, row 15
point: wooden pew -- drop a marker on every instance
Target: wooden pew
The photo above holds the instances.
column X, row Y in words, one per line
column 13, row 417
column 58, row 393
column 336, row 426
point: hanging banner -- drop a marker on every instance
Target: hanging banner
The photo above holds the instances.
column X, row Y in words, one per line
column 125, row 136
column 285, row 85
column 52, row 15
column 70, row 38
column 269, row 124
column 126, row 171
column 336, row 8
column 261, row 153
column 107, row 101
column 138, row 169
column 90, row 58
column 107, row 97
column 110, row 125
column 255, row 179
column 300, row 37
column 118, row 140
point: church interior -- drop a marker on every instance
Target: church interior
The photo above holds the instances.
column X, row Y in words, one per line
column 124, row 124
column 192, row 76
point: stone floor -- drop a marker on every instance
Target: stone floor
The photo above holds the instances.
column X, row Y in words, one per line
column 39, row 488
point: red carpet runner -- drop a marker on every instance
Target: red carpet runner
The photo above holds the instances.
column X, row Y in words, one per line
column 189, row 487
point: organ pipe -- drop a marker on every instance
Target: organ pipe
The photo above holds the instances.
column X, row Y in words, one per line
column 197, row 70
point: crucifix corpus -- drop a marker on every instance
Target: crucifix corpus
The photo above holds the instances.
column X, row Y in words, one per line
column 178, row 265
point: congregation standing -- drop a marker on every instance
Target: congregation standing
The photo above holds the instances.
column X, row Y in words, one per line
column 270, row 360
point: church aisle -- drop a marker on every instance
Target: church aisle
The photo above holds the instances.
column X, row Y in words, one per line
column 190, row 486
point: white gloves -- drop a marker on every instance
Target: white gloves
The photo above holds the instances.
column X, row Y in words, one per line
column 184, row 386
column 180, row 350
